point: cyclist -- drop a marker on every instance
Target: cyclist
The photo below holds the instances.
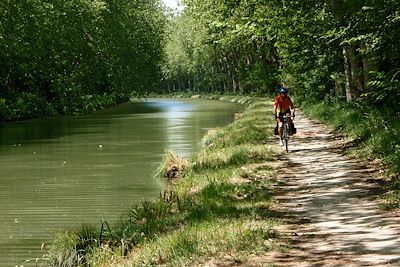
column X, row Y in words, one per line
column 284, row 105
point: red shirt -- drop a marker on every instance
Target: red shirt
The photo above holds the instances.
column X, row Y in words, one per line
column 283, row 105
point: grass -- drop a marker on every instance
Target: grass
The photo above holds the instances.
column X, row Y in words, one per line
column 218, row 205
column 202, row 241
column 375, row 135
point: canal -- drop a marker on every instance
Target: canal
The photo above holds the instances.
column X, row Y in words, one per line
column 59, row 173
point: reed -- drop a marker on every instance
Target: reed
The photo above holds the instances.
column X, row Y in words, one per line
column 173, row 166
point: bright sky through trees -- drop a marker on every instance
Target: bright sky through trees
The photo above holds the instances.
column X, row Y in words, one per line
column 171, row 3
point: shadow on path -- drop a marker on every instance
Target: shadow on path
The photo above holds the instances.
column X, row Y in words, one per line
column 331, row 208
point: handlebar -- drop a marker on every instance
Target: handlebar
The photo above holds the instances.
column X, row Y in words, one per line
column 291, row 116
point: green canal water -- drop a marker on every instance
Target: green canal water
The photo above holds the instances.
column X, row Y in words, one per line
column 59, row 173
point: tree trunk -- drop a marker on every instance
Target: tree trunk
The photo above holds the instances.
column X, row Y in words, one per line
column 368, row 66
column 355, row 71
column 181, row 84
column 238, row 73
column 354, row 84
column 234, row 84
column 12, row 83
column 347, row 73
column 189, row 84
column 212, row 80
column 339, row 79
column 231, row 75
column 240, row 87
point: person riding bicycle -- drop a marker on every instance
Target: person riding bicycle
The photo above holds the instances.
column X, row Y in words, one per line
column 284, row 106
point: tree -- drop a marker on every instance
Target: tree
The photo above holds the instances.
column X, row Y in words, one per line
column 239, row 49
column 77, row 55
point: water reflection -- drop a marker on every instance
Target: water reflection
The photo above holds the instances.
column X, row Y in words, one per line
column 61, row 172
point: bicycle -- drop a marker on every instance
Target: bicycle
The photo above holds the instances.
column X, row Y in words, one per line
column 285, row 135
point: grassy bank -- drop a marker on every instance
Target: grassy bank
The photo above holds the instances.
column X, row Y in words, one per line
column 374, row 135
column 218, row 204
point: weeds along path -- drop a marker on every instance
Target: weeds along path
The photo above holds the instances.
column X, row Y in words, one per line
column 330, row 204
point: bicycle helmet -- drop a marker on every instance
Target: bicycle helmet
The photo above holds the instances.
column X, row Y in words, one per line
column 283, row 90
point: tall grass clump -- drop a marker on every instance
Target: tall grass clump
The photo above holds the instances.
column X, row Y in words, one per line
column 69, row 248
column 173, row 166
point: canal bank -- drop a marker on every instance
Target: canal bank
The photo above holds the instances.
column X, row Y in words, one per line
column 221, row 207
column 219, row 204
column 59, row 173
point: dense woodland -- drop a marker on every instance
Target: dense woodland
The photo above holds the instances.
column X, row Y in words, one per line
column 74, row 56
column 334, row 48
column 63, row 57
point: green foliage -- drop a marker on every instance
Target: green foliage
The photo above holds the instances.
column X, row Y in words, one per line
column 226, row 48
column 346, row 50
column 62, row 52
column 3, row 109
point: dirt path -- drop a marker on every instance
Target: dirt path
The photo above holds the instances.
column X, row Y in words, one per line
column 336, row 221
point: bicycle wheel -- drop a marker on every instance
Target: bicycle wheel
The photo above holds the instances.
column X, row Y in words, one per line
column 285, row 137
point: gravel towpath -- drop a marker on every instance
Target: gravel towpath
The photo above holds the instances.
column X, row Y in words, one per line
column 330, row 201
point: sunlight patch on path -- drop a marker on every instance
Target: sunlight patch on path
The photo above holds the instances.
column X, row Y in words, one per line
column 328, row 191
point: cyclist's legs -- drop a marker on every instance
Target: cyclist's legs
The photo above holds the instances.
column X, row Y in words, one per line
column 280, row 130
column 280, row 125
column 290, row 121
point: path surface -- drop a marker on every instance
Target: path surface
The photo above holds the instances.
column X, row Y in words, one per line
column 336, row 221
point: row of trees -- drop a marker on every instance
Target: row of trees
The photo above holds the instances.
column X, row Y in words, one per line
column 222, row 45
column 347, row 49
column 75, row 55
